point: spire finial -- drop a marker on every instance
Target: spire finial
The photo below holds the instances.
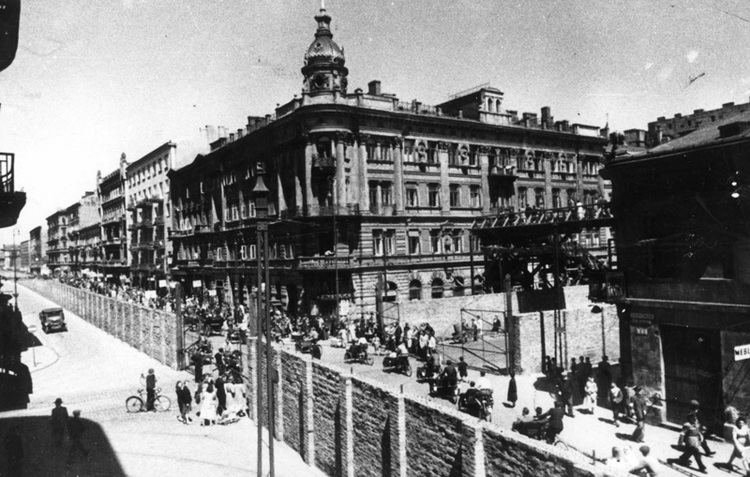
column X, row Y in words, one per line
column 322, row 5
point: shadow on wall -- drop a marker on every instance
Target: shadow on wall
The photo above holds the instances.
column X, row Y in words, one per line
column 42, row 458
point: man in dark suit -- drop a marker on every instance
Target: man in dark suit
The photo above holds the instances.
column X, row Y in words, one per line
column 59, row 422
column 555, row 423
column 640, row 409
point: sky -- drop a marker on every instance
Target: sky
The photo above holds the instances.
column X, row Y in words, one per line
column 92, row 80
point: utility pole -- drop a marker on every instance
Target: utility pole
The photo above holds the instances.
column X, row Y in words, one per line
column 261, row 206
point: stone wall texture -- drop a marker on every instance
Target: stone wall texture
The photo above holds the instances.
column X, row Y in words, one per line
column 150, row 331
column 351, row 426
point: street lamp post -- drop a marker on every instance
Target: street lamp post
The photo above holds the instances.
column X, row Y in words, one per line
column 14, row 255
column 261, row 207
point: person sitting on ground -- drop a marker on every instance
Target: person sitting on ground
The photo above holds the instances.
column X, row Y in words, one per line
column 463, row 369
column 555, row 426
column 644, row 465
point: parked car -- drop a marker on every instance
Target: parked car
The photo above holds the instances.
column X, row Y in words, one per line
column 52, row 319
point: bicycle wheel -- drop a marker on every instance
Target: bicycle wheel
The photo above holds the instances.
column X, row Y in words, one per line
column 162, row 403
column 134, row 404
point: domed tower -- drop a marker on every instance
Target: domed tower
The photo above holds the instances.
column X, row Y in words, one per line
column 324, row 68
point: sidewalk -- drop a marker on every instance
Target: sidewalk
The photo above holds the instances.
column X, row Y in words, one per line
column 596, row 434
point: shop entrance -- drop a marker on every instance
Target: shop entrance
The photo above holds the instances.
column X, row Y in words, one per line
column 692, row 369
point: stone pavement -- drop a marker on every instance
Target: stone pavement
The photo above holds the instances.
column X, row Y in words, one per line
column 591, row 435
column 95, row 373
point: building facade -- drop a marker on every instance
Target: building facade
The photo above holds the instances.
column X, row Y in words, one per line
column 58, row 257
column 665, row 129
column 82, row 215
column 371, row 198
column 149, row 212
column 684, row 248
column 37, row 250
column 111, row 193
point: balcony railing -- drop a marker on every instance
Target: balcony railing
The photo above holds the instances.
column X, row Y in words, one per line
column 323, row 162
column 7, row 180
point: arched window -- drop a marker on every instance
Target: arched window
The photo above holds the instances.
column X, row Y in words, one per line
column 497, row 105
column 490, row 105
column 415, row 290
column 391, row 292
column 437, row 288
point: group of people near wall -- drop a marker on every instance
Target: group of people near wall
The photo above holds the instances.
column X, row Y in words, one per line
column 213, row 402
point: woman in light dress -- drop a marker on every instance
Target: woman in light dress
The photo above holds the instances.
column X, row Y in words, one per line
column 208, row 405
column 591, row 390
column 740, row 440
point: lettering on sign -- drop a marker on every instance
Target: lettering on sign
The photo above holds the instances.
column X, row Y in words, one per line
column 742, row 352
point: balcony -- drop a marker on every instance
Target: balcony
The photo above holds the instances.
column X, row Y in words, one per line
column 325, row 263
column 11, row 202
column 323, row 163
column 112, row 241
column 349, row 262
column 503, row 172
column 563, row 176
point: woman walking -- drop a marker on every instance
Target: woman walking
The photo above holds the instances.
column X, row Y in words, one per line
column 591, row 390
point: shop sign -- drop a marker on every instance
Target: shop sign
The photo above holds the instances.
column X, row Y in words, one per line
column 742, row 352
column 162, row 283
column 641, row 319
column 196, row 283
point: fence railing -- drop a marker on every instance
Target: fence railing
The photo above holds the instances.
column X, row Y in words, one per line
column 153, row 332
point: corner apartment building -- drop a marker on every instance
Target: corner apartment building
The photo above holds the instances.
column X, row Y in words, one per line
column 149, row 213
column 58, row 258
column 368, row 192
column 111, row 193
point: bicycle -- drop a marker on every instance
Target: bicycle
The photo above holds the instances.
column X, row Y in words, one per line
column 138, row 404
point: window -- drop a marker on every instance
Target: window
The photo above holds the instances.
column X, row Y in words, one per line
column 373, row 191
column 253, row 251
column 386, row 195
column 455, row 195
column 389, row 242
column 539, row 198
column 556, row 203
column 437, row 288
column 415, row 290
column 243, row 252
column 475, row 193
column 413, row 242
column 475, row 243
column 377, row 243
column 458, row 243
column 412, row 195
column 523, row 200
column 433, row 195
column 571, row 193
column 435, row 241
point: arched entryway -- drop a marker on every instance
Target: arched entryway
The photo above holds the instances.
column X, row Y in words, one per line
column 415, row 290
column 438, row 288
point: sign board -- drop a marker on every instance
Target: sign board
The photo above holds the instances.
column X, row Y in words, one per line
column 162, row 284
column 742, row 352
column 211, row 292
column 530, row 301
column 32, row 329
column 149, row 294
column 196, row 283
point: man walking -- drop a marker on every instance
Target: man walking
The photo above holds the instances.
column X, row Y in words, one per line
column 615, row 402
column 58, row 423
column 693, row 439
column 150, row 389
column 219, row 359
column 75, row 431
column 640, row 408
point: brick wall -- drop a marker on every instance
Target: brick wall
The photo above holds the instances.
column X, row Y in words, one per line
column 149, row 331
column 587, row 334
column 514, row 455
column 438, row 443
column 351, row 426
column 375, row 430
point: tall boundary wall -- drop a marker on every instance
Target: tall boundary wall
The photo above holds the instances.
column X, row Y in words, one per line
column 152, row 332
column 348, row 426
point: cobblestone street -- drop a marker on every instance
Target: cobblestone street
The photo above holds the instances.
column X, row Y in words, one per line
column 95, row 373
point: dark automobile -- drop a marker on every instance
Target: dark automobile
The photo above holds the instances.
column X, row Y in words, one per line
column 52, row 319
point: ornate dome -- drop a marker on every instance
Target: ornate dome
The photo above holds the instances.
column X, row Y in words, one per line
column 324, row 69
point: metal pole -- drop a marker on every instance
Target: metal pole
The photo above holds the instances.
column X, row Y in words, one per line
column 258, row 353
column 15, row 276
column 269, row 367
column 336, row 250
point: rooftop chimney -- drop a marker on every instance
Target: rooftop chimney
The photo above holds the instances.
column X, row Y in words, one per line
column 546, row 117
column 373, row 88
